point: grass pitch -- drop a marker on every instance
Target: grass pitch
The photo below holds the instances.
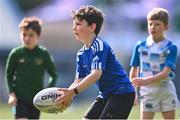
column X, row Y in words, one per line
column 73, row 112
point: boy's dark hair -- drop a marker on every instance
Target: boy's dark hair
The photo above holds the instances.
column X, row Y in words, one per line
column 159, row 14
column 91, row 14
column 33, row 23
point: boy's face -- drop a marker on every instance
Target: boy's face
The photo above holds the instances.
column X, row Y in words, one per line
column 81, row 29
column 156, row 29
column 29, row 38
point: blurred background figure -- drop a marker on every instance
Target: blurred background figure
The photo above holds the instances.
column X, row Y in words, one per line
column 25, row 68
column 125, row 24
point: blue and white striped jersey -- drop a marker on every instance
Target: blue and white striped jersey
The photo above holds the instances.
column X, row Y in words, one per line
column 99, row 55
column 152, row 57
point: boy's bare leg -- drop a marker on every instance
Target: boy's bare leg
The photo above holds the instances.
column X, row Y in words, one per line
column 147, row 115
column 169, row 115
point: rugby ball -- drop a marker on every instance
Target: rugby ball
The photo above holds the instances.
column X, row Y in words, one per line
column 45, row 100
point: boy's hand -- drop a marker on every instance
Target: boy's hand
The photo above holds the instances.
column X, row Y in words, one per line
column 12, row 99
column 67, row 96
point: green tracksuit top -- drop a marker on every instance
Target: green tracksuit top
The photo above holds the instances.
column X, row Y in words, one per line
column 25, row 71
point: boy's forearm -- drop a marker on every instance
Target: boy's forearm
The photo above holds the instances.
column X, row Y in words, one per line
column 160, row 76
column 88, row 80
column 157, row 77
column 76, row 81
column 133, row 72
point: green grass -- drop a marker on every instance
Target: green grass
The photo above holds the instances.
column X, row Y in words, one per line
column 73, row 112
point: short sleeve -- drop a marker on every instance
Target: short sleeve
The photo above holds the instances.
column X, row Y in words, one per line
column 135, row 61
column 100, row 53
column 171, row 58
column 80, row 73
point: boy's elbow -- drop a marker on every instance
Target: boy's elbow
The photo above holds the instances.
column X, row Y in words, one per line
column 97, row 74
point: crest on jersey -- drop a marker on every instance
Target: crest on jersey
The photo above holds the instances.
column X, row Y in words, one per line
column 21, row 60
column 39, row 61
column 96, row 58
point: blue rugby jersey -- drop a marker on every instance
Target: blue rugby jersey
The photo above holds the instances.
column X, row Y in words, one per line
column 99, row 55
column 152, row 57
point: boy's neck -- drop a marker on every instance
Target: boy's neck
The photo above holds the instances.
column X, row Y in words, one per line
column 32, row 48
column 88, row 42
column 158, row 39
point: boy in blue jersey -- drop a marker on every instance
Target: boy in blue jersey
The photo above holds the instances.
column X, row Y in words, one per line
column 153, row 65
column 96, row 63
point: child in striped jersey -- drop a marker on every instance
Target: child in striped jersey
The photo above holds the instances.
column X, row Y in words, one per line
column 96, row 63
column 153, row 65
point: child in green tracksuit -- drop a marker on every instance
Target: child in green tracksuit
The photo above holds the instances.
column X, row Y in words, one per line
column 25, row 68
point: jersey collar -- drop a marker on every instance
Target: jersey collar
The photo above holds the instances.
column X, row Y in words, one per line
column 150, row 42
column 85, row 48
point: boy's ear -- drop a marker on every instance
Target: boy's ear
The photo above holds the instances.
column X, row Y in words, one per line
column 93, row 26
column 166, row 27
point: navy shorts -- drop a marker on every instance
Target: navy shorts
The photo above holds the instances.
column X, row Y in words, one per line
column 26, row 110
column 115, row 107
